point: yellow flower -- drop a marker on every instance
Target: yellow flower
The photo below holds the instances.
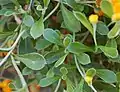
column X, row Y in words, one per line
column 5, row 86
column 88, row 79
column 93, row 18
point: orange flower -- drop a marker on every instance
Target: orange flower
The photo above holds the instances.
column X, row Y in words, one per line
column 5, row 86
column 116, row 8
column 7, row 89
column 114, row 1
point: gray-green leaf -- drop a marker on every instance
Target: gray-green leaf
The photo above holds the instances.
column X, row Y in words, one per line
column 37, row 29
column 83, row 19
column 107, row 75
column 106, row 7
column 109, row 51
column 71, row 23
column 76, row 47
column 114, row 31
column 28, row 20
column 60, row 61
column 33, row 61
column 47, row 81
column 83, row 58
column 52, row 36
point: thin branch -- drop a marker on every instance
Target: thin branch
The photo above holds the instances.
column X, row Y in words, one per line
column 82, row 74
column 12, row 48
column 24, row 84
column 30, row 5
column 80, row 71
column 87, row 2
column 93, row 88
column 58, row 85
column 51, row 12
column 85, row 37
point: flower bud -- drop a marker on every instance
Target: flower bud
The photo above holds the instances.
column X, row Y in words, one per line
column 88, row 79
column 93, row 18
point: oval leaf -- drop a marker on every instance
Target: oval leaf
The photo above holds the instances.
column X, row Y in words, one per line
column 48, row 81
column 83, row 58
column 60, row 61
column 37, row 29
column 114, row 31
column 82, row 18
column 109, row 51
column 76, row 47
column 51, row 57
column 52, row 36
column 27, row 71
column 33, row 61
column 102, row 29
column 106, row 7
column 42, row 44
column 107, row 75
column 28, row 20
column 71, row 23
column 46, row 3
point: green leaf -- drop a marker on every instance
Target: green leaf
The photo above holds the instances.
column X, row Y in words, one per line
column 27, row 71
column 83, row 19
column 60, row 61
column 114, row 31
column 100, row 85
column 109, row 51
column 106, row 7
column 33, row 61
column 63, row 70
column 52, row 36
column 91, row 72
column 83, row 58
column 111, row 43
column 118, row 77
column 71, row 23
column 48, row 81
column 9, row 13
column 77, row 48
column 107, row 75
column 15, row 2
column 51, row 57
column 3, row 2
column 37, row 29
column 42, row 44
column 50, row 73
column 5, row 34
column 2, row 11
column 79, row 87
column 117, row 59
column 46, row 3
column 102, row 29
column 70, row 86
column 67, row 40
column 26, row 46
column 28, row 20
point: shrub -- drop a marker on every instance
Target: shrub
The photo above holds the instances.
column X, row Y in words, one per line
column 67, row 45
